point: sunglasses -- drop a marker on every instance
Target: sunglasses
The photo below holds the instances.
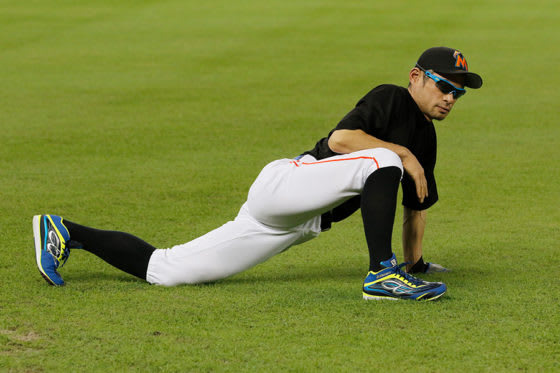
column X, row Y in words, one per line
column 445, row 86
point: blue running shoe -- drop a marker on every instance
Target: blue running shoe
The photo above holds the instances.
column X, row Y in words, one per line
column 51, row 249
column 394, row 283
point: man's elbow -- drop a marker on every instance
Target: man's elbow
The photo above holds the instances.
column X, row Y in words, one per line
column 337, row 143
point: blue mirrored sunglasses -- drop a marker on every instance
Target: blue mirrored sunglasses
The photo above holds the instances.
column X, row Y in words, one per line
column 445, row 86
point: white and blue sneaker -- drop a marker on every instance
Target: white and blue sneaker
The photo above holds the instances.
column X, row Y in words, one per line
column 393, row 283
column 51, row 246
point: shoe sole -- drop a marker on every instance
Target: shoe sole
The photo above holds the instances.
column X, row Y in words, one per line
column 372, row 297
column 39, row 248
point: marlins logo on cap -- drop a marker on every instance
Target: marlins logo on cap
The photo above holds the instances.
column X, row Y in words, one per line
column 460, row 61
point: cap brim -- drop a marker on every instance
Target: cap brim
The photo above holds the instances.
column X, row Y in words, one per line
column 472, row 80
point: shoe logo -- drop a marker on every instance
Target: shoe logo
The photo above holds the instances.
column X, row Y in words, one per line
column 396, row 287
column 53, row 243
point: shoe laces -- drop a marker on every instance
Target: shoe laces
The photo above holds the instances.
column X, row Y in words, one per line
column 409, row 277
column 64, row 257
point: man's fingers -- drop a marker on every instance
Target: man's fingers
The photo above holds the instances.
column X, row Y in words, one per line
column 420, row 191
column 421, row 188
column 415, row 170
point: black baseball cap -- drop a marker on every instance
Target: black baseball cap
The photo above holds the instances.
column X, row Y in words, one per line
column 443, row 60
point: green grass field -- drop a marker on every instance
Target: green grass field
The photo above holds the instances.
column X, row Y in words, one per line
column 154, row 117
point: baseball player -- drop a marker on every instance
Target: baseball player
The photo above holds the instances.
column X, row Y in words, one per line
column 388, row 139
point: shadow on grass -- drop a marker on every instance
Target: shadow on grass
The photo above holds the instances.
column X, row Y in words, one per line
column 303, row 273
column 96, row 276
column 284, row 273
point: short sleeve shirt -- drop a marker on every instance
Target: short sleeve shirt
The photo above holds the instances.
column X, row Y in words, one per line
column 389, row 113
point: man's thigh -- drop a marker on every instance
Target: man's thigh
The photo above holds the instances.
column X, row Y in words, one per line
column 289, row 192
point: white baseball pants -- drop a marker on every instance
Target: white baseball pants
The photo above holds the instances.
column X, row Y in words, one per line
column 283, row 209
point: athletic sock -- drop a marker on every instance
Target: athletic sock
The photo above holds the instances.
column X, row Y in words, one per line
column 122, row 250
column 378, row 204
column 419, row 267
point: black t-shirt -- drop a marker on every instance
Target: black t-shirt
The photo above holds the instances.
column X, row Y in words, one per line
column 389, row 113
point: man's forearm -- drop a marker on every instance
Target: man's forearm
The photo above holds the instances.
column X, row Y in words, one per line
column 414, row 224
column 349, row 141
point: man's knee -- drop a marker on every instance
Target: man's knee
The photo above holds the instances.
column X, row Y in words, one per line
column 387, row 158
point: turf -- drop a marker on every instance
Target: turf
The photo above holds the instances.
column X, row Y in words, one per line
column 154, row 117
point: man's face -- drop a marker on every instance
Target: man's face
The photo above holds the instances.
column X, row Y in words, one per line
column 432, row 102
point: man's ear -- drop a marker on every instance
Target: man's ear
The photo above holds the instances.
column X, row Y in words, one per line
column 415, row 75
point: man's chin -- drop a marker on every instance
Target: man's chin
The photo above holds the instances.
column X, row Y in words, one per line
column 440, row 116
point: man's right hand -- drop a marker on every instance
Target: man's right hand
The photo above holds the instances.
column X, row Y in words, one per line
column 416, row 172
